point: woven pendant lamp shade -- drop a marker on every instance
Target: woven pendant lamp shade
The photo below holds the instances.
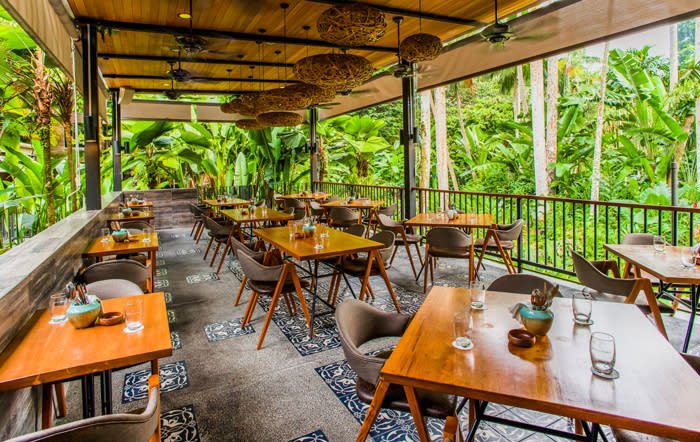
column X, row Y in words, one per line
column 255, row 103
column 250, row 124
column 351, row 24
column 280, row 119
column 334, row 71
column 237, row 106
column 284, row 99
column 420, row 47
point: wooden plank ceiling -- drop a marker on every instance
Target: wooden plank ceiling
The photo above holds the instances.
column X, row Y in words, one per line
column 248, row 17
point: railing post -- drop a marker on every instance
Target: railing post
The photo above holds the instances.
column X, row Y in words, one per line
column 420, row 200
column 674, row 201
column 116, row 141
column 520, row 238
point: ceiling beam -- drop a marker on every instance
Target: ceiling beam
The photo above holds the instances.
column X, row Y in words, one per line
column 107, row 56
column 192, row 91
column 194, row 78
column 224, row 35
column 413, row 13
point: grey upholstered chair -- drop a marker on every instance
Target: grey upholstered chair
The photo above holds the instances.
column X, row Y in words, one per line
column 631, row 436
column 593, row 274
column 113, row 288
column 356, row 229
column 274, row 281
column 519, row 283
column 389, row 211
column 342, row 217
column 508, row 235
column 639, row 239
column 331, row 199
column 197, row 215
column 201, row 213
column 317, row 212
column 404, row 237
column 359, row 323
column 445, row 242
column 136, row 226
column 140, row 426
column 127, row 269
column 220, row 234
column 293, row 202
column 244, row 248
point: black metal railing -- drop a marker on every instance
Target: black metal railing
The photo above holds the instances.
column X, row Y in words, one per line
column 389, row 194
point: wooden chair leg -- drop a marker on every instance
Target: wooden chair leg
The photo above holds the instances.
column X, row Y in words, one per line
column 199, row 233
column 249, row 310
column 271, row 311
column 208, row 247
column 420, row 258
column 216, row 252
column 336, row 289
column 193, row 226
column 289, row 306
column 410, row 259
column 46, row 406
column 426, row 269
column 433, row 263
column 391, row 261
column 60, row 399
column 330, row 287
column 451, row 432
column 223, row 256
column 369, row 289
column 240, row 290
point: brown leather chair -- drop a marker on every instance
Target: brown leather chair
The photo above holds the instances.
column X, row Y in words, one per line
column 342, row 217
column 199, row 213
column 404, row 237
column 220, row 234
column 113, row 288
column 246, row 248
column 127, row 269
column 507, row 235
column 293, row 203
column 359, row 323
column 445, row 242
column 521, row 283
column 389, row 211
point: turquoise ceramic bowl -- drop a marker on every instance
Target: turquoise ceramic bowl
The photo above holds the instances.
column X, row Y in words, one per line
column 120, row 235
column 127, row 211
column 84, row 315
column 537, row 322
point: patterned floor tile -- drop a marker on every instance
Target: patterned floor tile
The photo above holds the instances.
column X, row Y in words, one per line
column 316, row 436
column 161, row 271
column 161, row 253
column 219, row 331
column 175, row 340
column 160, row 262
column 179, row 425
column 171, row 316
column 202, row 277
column 168, row 297
column 192, row 251
column 161, row 283
column 173, row 376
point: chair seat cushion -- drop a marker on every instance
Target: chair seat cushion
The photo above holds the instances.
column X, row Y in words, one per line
column 444, row 252
column 432, row 404
column 631, row 436
column 357, row 267
column 268, row 287
column 479, row 242
column 411, row 238
column 143, row 259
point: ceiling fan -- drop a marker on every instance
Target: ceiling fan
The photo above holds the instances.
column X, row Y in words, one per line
column 499, row 33
column 171, row 93
column 193, row 44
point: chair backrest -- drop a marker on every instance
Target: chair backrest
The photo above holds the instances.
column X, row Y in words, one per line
column 315, row 207
column 136, row 226
column 332, row 198
column 299, row 213
column 387, row 223
column 638, row 239
column 107, row 428
column 388, row 210
column 241, row 249
column 386, row 237
column 448, row 237
column 510, row 232
column 127, row 269
column 356, row 229
column 215, row 228
column 256, row 271
column 113, row 288
column 519, row 283
column 293, row 202
column 343, row 214
column 359, row 323
column 591, row 276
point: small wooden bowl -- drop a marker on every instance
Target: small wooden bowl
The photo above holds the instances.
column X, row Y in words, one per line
column 521, row 338
column 111, row 318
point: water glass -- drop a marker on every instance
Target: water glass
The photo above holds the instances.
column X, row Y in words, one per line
column 659, row 244
column 478, row 295
column 105, row 234
column 292, row 229
column 324, row 230
column 582, row 306
column 602, row 349
column 58, row 304
column 133, row 313
column 318, row 241
column 687, row 257
column 147, row 233
column 462, row 326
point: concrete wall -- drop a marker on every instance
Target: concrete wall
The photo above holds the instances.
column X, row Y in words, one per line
column 171, row 206
column 32, row 271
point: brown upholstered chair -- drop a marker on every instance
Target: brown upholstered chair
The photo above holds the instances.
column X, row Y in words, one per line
column 245, row 248
column 638, row 239
column 318, row 213
column 113, row 288
column 199, row 213
column 342, row 217
column 404, row 237
column 631, row 436
column 136, row 226
column 389, row 211
column 594, row 275
column 507, row 235
column 274, row 281
column 127, row 269
column 140, row 426
column 220, row 234
column 356, row 229
column 359, row 323
column 445, row 242
column 521, row 283
column 293, row 202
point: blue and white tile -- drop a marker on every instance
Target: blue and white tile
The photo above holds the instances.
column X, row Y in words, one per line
column 171, row 316
column 189, row 251
column 173, row 376
column 202, row 277
column 315, row 436
column 161, row 283
column 218, row 331
column 168, row 297
column 160, row 262
column 161, row 271
column 175, row 340
column 179, row 425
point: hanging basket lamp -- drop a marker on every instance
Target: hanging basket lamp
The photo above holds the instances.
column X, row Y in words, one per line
column 250, row 124
column 237, row 106
column 420, row 47
column 334, row 71
column 280, row 119
column 351, row 24
column 284, row 99
column 255, row 103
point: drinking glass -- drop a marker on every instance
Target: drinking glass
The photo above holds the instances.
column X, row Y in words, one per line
column 58, row 304
column 463, row 330
column 133, row 313
column 659, row 244
column 582, row 306
column 292, row 229
column 478, row 295
column 105, row 234
column 147, row 233
column 687, row 257
column 602, row 350
column 318, row 241
column 324, row 230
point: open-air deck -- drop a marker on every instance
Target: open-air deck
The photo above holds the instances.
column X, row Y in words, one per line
column 329, row 311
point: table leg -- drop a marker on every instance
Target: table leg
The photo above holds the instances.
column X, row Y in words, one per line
column 300, row 295
column 693, row 312
column 154, row 367
column 46, row 406
column 88, row 388
column 365, row 279
column 106, row 393
column 373, row 411
column 418, row 417
column 152, row 256
column 382, row 270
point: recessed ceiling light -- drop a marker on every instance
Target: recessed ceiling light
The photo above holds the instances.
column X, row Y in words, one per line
column 185, row 15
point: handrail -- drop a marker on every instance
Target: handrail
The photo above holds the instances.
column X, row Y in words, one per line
column 359, row 185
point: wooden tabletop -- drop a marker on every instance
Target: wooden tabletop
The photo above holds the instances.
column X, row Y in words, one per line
column 111, row 247
column 44, row 352
column 462, row 220
column 230, row 202
column 657, row 391
column 256, row 215
column 337, row 244
column 306, row 196
column 666, row 266
column 139, row 204
column 354, row 204
column 135, row 216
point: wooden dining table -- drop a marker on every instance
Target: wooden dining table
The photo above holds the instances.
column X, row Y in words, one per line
column 99, row 249
column 370, row 206
column 227, row 202
column 146, row 215
column 309, row 196
column 466, row 221
column 255, row 216
column 667, row 268
column 139, row 204
column 44, row 353
column 657, row 392
column 336, row 245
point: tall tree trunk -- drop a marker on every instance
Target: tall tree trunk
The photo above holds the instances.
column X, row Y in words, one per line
column 697, row 105
column 425, row 139
column 673, row 39
column 453, row 175
column 322, row 160
column 43, row 97
column 462, row 130
column 600, row 120
column 552, row 116
column 62, row 89
column 71, row 164
column 538, row 133
column 678, row 147
column 440, row 114
column 520, row 85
